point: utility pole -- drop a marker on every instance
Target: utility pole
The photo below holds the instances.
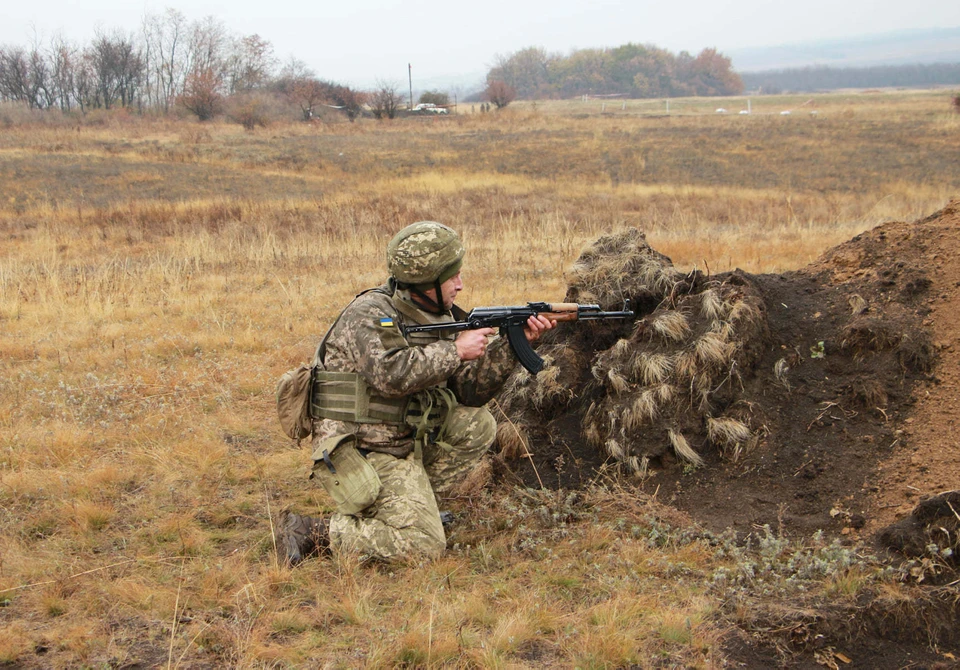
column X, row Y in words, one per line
column 410, row 75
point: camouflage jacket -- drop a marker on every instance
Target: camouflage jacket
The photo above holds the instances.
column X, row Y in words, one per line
column 368, row 340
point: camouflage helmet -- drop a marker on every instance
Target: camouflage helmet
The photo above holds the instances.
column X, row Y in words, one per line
column 425, row 252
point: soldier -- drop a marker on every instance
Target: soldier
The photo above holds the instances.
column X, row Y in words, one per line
column 414, row 403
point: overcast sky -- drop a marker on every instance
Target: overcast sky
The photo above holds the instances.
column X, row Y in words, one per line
column 359, row 41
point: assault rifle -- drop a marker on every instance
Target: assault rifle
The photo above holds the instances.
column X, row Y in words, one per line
column 512, row 320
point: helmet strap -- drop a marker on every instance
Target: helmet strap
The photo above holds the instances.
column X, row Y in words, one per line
column 431, row 305
column 434, row 305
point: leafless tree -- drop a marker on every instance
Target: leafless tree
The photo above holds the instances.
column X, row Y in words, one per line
column 500, row 93
column 203, row 87
column 118, row 67
column 166, row 55
column 350, row 101
column 300, row 85
column 64, row 62
column 15, row 75
column 251, row 64
column 208, row 49
column 386, row 100
column 201, row 94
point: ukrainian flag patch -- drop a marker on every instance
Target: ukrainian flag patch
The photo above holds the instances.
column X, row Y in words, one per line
column 386, row 323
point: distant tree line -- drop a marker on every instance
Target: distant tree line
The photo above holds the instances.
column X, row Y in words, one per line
column 823, row 78
column 630, row 70
column 198, row 66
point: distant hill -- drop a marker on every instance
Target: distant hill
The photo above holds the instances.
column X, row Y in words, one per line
column 935, row 45
column 824, row 78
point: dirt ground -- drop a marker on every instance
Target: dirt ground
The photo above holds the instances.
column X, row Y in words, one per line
column 848, row 384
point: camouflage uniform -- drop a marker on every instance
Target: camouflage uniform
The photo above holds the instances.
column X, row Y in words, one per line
column 405, row 518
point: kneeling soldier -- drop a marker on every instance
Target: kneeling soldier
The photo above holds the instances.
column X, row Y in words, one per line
column 402, row 417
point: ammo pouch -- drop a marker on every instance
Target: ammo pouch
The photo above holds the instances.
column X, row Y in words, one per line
column 345, row 474
column 293, row 402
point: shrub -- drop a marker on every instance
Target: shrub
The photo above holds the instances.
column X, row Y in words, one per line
column 253, row 109
column 435, row 98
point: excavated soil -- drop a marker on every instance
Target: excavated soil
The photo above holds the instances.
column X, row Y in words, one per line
column 839, row 389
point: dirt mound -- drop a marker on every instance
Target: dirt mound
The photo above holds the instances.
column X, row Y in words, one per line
column 816, row 399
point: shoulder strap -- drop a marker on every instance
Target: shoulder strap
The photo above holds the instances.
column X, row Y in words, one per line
column 321, row 353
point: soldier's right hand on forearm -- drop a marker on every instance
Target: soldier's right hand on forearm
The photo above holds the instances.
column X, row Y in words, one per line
column 472, row 344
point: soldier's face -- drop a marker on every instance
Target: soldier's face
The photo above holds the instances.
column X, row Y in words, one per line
column 450, row 289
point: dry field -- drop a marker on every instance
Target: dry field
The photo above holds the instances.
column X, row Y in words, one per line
column 158, row 276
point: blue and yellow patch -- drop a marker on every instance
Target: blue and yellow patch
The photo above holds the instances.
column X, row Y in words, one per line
column 386, row 323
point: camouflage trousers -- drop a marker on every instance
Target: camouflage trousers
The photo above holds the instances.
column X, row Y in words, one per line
column 405, row 520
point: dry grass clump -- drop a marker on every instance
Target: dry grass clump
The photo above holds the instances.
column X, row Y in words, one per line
column 619, row 267
column 858, row 305
column 675, row 378
column 869, row 334
column 656, row 386
column 872, row 335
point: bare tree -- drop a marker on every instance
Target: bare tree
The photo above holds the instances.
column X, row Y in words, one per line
column 350, row 101
column 500, row 93
column 201, row 94
column 207, row 49
column 301, row 87
column 64, row 61
column 15, row 75
column 251, row 64
column 386, row 100
column 84, row 82
column 118, row 67
column 203, row 86
column 166, row 56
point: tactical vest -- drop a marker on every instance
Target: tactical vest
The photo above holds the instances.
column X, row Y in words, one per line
column 345, row 396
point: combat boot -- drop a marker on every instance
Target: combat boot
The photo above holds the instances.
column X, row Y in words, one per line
column 299, row 537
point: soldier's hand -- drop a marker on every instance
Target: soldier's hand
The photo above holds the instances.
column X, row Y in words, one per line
column 472, row 344
column 535, row 327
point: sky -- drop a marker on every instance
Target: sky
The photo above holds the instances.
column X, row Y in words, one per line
column 359, row 42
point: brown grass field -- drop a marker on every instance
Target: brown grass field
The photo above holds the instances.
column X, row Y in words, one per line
column 158, row 276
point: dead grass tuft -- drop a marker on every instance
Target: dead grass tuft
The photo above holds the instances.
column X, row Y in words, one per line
column 917, row 352
column 671, row 325
column 725, row 431
column 780, row 371
column 745, row 311
column 683, row 449
column 869, row 393
column 712, row 305
column 618, row 383
column 643, row 411
column 651, row 368
column 857, row 304
column 868, row 334
column 712, row 351
column 512, row 439
column 91, row 516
